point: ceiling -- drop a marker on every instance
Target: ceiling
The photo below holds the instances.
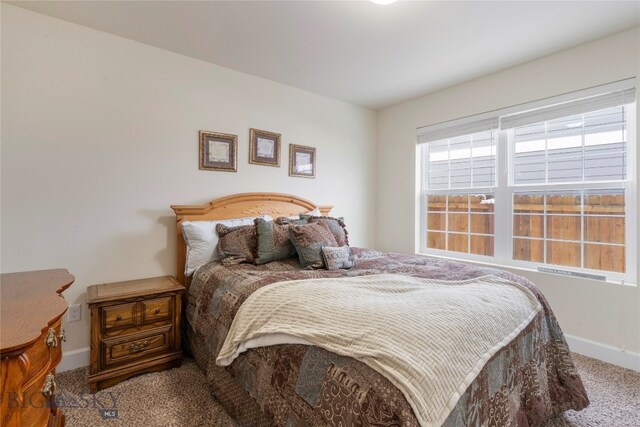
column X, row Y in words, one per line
column 363, row 53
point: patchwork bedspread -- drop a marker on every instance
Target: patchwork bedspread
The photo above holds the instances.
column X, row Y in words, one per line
column 529, row 380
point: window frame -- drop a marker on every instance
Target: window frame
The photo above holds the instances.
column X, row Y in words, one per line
column 504, row 190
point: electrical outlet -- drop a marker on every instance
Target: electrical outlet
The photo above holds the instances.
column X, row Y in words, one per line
column 73, row 315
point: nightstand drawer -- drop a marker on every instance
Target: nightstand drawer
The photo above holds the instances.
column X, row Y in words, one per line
column 117, row 316
column 155, row 310
column 135, row 347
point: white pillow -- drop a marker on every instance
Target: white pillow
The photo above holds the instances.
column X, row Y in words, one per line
column 201, row 239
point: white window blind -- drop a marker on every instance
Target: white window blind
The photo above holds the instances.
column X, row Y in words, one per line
column 466, row 161
column 455, row 128
column 589, row 147
column 572, row 108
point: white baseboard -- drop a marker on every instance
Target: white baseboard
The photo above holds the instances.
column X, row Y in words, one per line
column 604, row 352
column 74, row 359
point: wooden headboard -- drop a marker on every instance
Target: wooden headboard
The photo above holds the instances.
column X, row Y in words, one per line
column 237, row 206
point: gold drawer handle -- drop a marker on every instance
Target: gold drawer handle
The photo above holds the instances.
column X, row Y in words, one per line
column 51, row 340
column 49, row 386
column 138, row 347
column 119, row 317
column 62, row 336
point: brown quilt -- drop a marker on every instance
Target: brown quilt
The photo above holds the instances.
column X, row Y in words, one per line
column 528, row 381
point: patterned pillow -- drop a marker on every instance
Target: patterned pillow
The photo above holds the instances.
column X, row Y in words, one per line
column 291, row 221
column 307, row 215
column 337, row 227
column 315, row 212
column 236, row 244
column 337, row 258
column 273, row 241
column 309, row 240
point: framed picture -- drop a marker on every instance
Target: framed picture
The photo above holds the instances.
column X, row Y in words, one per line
column 218, row 151
column 302, row 161
column 264, row 148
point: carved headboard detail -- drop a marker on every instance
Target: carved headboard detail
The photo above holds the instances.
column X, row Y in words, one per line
column 261, row 209
column 236, row 206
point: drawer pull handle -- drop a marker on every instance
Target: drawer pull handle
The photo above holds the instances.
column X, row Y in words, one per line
column 51, row 340
column 156, row 311
column 138, row 347
column 119, row 317
column 62, row 336
column 49, row 386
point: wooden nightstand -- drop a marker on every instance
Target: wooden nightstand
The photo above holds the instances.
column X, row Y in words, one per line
column 135, row 328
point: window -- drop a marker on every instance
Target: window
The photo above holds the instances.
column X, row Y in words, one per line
column 557, row 178
column 461, row 175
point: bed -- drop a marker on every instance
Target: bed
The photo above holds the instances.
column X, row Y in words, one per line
column 527, row 379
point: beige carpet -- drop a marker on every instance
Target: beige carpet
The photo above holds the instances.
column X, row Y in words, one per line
column 176, row 397
column 179, row 397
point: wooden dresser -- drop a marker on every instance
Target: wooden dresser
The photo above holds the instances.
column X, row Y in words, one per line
column 135, row 328
column 30, row 338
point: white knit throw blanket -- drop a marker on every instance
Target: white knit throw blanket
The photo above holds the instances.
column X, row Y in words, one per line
column 430, row 338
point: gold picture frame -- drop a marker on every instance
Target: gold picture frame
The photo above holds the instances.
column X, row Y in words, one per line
column 264, row 147
column 218, row 151
column 302, row 161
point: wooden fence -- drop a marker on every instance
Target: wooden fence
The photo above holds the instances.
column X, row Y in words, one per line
column 603, row 228
column 466, row 215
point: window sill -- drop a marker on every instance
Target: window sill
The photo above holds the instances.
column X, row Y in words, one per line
column 518, row 268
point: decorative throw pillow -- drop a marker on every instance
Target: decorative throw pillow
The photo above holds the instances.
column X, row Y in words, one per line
column 291, row 221
column 315, row 212
column 337, row 258
column 236, row 244
column 273, row 241
column 337, row 227
column 308, row 240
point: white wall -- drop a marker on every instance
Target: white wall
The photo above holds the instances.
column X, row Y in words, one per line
column 100, row 136
column 602, row 312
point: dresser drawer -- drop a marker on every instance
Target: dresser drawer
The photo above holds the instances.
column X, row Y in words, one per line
column 155, row 310
column 35, row 409
column 38, row 357
column 118, row 316
column 40, row 354
column 135, row 347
